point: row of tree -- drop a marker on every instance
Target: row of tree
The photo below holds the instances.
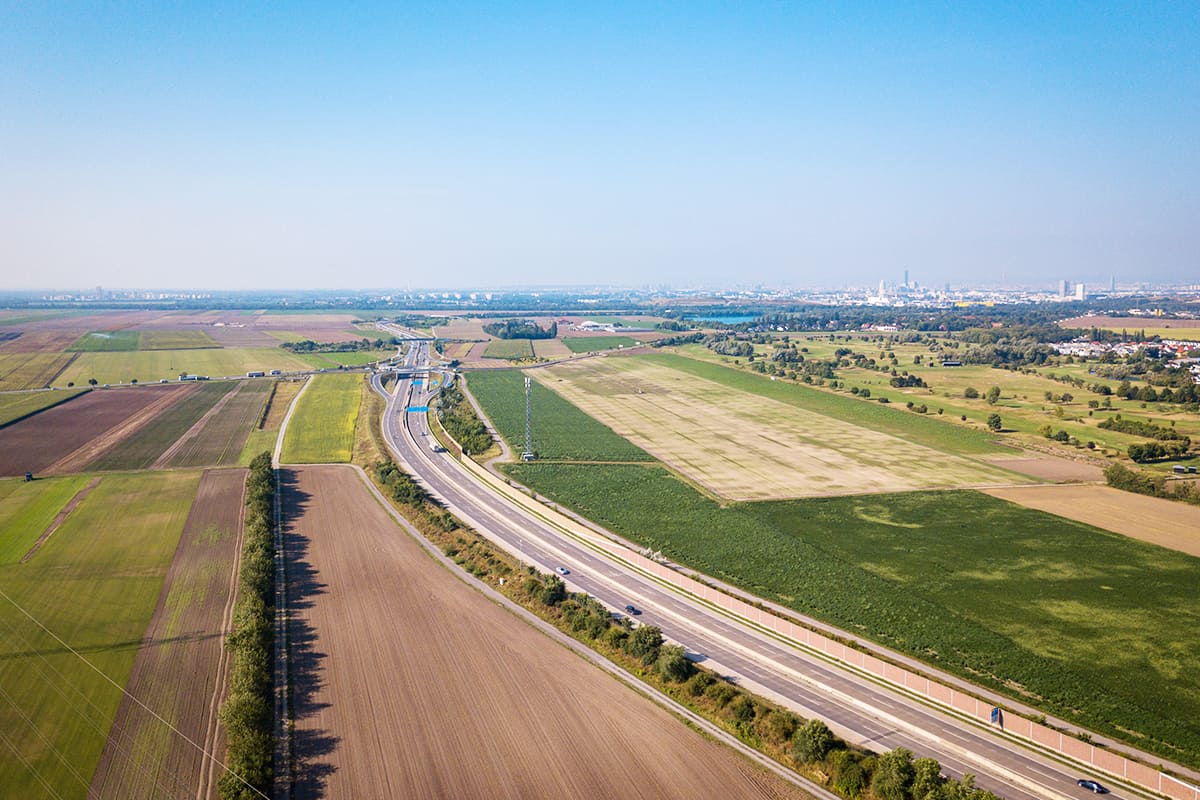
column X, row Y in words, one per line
column 248, row 711
column 309, row 346
column 460, row 421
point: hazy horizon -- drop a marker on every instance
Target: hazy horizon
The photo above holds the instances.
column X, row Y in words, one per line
column 368, row 145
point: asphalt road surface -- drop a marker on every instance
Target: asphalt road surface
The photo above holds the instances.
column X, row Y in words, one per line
column 854, row 706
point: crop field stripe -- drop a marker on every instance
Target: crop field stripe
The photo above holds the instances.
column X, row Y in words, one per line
column 177, row 340
column 106, row 342
column 28, row 508
column 322, row 427
column 142, row 448
column 917, row 428
column 1100, row 627
column 95, row 584
column 148, row 366
column 16, row 407
column 178, row 675
column 219, row 439
column 744, row 446
column 560, row 429
column 591, row 344
column 21, row 371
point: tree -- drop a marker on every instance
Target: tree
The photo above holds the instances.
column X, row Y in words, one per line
column 994, row 423
column 673, row 664
column 927, row 779
column 70, row 384
column 993, row 394
column 894, row 773
column 92, row 381
column 812, row 742
column 554, row 591
column 645, row 643
column 970, row 393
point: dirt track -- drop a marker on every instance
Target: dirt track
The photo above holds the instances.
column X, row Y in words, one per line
column 60, row 433
column 408, row 683
column 180, row 669
column 1163, row 522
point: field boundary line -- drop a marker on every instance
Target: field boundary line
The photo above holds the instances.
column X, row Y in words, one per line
column 194, row 431
column 676, row 582
column 587, row 653
column 60, row 518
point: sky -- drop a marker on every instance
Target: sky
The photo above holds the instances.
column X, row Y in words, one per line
column 403, row 145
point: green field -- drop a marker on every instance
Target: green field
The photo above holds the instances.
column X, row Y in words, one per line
column 509, row 349
column 560, row 430
column 19, row 371
column 28, row 507
column 1091, row 625
column 350, row 358
column 17, row 406
column 177, row 340
column 141, row 449
column 106, row 342
column 918, row 428
column 220, row 441
column 148, row 366
column 95, row 584
column 594, row 344
column 322, row 428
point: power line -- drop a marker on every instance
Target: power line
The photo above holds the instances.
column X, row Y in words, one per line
column 122, row 690
column 114, row 734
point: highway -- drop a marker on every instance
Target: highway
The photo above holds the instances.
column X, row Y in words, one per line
column 857, row 708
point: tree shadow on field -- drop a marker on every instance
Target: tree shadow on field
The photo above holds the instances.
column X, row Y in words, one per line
column 309, row 747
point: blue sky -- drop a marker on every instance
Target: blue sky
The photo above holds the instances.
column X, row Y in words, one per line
column 396, row 145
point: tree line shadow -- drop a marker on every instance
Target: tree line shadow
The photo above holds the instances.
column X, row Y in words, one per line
column 310, row 747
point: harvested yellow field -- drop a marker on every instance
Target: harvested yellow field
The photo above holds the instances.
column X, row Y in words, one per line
column 551, row 348
column 31, row 370
column 743, row 446
column 1151, row 519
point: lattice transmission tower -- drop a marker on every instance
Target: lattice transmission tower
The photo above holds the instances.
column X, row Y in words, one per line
column 528, row 455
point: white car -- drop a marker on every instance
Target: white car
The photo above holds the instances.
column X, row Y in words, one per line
column 563, row 571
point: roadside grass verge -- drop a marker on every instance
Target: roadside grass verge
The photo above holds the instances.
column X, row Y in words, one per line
column 106, row 342
column 145, row 446
column 31, row 370
column 322, row 428
column 16, row 407
column 594, row 344
column 264, row 433
column 1089, row 625
column 510, row 349
column 95, row 584
column 560, row 430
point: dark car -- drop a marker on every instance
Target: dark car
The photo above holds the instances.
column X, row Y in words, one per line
column 632, row 609
column 1092, row 786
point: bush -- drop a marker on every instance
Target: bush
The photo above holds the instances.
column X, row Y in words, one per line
column 812, row 742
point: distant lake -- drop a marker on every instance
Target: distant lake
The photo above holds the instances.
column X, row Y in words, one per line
column 728, row 319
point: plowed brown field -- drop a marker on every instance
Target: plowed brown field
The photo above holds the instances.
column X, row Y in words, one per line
column 181, row 667
column 54, row 435
column 409, row 683
column 1166, row 523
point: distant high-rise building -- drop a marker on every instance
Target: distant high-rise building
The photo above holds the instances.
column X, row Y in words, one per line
column 882, row 289
column 1064, row 286
column 1080, row 292
column 905, row 279
column 1112, row 283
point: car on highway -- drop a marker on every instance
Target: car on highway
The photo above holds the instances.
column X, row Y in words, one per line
column 562, row 571
column 632, row 610
column 1092, row 786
